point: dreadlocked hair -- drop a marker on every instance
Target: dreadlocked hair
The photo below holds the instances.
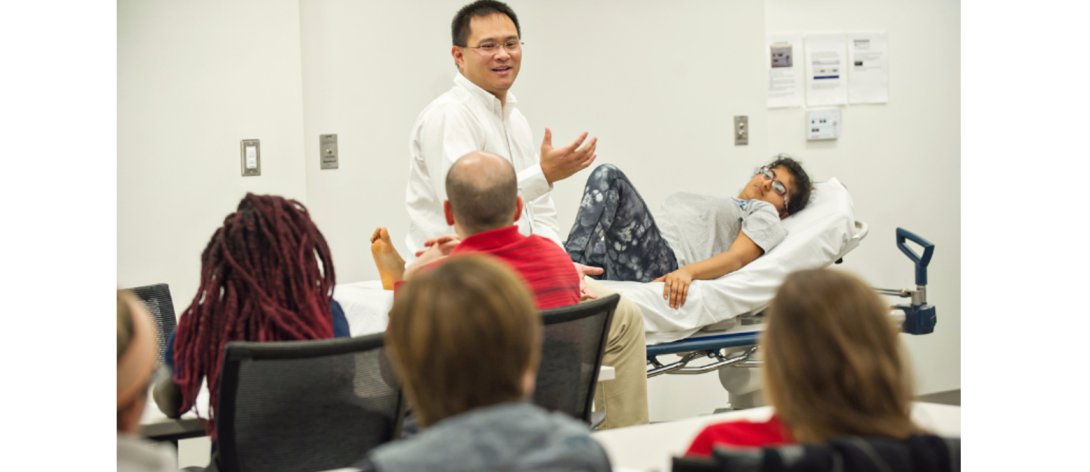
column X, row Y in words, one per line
column 266, row 275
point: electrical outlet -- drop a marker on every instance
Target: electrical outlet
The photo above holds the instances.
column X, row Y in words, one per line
column 251, row 157
column 741, row 130
column 328, row 151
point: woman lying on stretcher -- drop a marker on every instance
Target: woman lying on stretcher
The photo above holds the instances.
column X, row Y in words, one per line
column 694, row 237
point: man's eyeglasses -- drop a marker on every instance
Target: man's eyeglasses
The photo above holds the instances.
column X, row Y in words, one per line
column 777, row 186
column 490, row 48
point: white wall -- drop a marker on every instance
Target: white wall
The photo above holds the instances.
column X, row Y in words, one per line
column 194, row 78
column 659, row 106
column 901, row 160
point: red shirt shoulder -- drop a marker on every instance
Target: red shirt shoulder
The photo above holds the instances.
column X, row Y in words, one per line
column 540, row 262
column 741, row 434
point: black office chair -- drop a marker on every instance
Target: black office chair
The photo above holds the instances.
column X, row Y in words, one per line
column 305, row 405
column 574, row 341
column 157, row 299
column 843, row 453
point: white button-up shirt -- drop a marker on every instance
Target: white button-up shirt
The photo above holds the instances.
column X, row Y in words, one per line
column 465, row 119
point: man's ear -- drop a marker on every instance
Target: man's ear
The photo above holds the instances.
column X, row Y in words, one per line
column 457, row 53
column 518, row 208
column 448, row 212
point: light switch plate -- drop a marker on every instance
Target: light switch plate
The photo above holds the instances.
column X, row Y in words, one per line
column 823, row 124
column 328, row 151
column 741, row 130
column 251, row 157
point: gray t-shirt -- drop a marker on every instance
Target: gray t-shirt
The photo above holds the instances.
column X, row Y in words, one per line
column 510, row 436
column 700, row 226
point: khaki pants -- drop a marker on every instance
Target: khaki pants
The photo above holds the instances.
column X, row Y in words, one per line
column 624, row 399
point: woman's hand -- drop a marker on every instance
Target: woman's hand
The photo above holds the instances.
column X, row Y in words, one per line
column 741, row 252
column 676, row 288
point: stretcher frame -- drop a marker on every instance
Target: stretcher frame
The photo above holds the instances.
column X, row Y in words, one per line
column 917, row 318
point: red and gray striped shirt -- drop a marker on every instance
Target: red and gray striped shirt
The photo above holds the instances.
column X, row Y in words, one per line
column 544, row 266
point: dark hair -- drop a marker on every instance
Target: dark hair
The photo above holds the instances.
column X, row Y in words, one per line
column 266, row 275
column 459, row 28
column 801, row 196
column 482, row 194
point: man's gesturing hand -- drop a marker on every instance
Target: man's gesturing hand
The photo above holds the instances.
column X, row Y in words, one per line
column 560, row 163
column 423, row 258
column 585, row 293
column 445, row 243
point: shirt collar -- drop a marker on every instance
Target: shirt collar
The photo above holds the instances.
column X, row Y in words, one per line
column 485, row 98
column 491, row 239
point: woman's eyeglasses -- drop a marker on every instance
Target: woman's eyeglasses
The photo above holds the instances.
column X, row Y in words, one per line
column 777, row 186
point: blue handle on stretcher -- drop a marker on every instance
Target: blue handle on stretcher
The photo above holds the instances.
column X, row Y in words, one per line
column 921, row 262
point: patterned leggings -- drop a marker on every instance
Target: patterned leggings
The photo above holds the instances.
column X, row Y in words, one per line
column 615, row 231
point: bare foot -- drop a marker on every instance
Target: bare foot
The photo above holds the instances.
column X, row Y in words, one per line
column 391, row 267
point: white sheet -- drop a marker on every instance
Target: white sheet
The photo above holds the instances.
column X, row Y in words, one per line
column 815, row 238
column 366, row 306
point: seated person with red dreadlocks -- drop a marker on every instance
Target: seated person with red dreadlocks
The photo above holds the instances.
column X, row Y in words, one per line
column 483, row 205
column 254, row 287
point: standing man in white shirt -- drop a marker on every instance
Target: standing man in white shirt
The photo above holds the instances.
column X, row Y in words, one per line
column 479, row 114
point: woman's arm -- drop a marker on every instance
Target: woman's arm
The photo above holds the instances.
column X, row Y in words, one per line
column 676, row 289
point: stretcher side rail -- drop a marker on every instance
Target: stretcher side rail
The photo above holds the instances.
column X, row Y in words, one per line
column 917, row 318
column 679, row 367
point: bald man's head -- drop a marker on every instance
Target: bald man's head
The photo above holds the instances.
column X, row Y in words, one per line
column 483, row 192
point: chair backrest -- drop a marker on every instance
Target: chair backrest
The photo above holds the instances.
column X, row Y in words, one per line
column 573, row 343
column 161, row 306
column 844, row 453
column 305, row 405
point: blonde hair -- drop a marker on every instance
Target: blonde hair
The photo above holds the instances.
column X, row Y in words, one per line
column 463, row 336
column 124, row 321
column 833, row 361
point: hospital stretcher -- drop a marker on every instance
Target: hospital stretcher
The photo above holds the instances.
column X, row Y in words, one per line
column 722, row 319
column 917, row 317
